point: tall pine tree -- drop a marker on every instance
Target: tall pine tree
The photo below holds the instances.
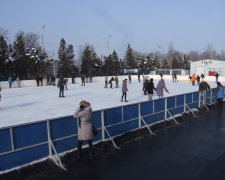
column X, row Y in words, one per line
column 130, row 61
column 66, row 59
column 4, row 55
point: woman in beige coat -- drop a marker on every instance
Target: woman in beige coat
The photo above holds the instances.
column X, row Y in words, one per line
column 84, row 115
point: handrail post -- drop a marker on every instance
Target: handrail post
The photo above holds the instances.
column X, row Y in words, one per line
column 103, row 125
column 165, row 108
column 139, row 115
column 49, row 138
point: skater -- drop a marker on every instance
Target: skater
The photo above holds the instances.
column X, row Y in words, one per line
column 65, row 83
column 124, row 90
column 83, row 80
column 193, row 79
column 10, row 80
column 217, row 76
column 106, row 81
column 202, row 76
column 145, row 85
column 189, row 78
column 129, row 77
column 220, row 95
column 48, row 80
column 37, row 80
column 61, row 87
column 110, row 81
column 117, row 82
column 198, row 79
column 53, row 80
column 73, row 80
column 204, row 86
column 84, row 116
column 41, row 79
column 18, row 81
column 175, row 77
column 139, row 76
column 150, row 88
column 160, row 87
column 161, row 75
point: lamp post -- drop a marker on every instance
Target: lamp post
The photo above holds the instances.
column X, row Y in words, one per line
column 107, row 44
column 42, row 38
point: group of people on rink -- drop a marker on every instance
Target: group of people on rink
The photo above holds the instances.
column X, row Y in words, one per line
column 107, row 81
column 148, row 87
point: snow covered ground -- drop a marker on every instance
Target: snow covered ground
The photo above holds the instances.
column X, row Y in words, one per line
column 24, row 105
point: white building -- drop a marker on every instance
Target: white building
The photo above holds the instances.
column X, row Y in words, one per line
column 208, row 67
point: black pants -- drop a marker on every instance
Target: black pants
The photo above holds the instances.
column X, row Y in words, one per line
column 80, row 142
column 220, row 102
column 124, row 95
column 110, row 85
column 61, row 92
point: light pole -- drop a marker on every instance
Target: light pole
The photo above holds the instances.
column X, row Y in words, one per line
column 42, row 38
column 107, row 43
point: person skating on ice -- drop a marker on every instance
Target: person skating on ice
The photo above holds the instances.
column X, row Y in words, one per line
column 150, row 88
column 124, row 90
column 160, row 87
column 61, row 87
column 106, row 81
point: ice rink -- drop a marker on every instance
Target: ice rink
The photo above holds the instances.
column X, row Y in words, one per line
column 24, row 105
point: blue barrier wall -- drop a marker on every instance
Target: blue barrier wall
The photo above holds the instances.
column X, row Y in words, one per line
column 25, row 143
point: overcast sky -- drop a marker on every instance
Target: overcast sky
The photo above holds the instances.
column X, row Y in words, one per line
column 146, row 24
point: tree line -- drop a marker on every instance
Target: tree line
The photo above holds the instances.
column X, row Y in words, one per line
column 26, row 58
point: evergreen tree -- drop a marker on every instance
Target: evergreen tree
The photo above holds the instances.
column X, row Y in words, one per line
column 165, row 64
column 175, row 63
column 66, row 59
column 97, row 65
column 130, row 61
column 20, row 63
column 108, row 65
column 116, row 63
column 86, row 59
column 4, row 55
column 186, row 63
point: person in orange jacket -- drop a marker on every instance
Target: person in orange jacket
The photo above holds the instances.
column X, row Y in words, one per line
column 193, row 79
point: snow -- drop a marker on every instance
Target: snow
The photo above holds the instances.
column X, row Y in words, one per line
column 25, row 105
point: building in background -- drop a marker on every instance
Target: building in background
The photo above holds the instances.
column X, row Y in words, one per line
column 208, row 67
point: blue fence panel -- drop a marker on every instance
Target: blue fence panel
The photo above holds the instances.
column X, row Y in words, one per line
column 171, row 102
column 154, row 118
column 63, row 127
column 96, row 119
column 122, row 128
column 196, row 96
column 208, row 97
column 5, row 140
column 30, row 134
column 188, row 98
column 175, row 111
column 159, row 105
column 22, row 157
column 65, row 144
column 180, row 100
column 146, row 108
column 130, row 112
column 113, row 116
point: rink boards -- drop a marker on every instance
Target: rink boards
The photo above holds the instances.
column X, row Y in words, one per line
column 23, row 144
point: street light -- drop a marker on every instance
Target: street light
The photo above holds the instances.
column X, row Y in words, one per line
column 107, row 43
column 42, row 38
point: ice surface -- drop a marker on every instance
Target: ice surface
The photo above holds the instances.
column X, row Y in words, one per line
column 24, row 105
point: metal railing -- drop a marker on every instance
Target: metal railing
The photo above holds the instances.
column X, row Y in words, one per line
column 22, row 144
